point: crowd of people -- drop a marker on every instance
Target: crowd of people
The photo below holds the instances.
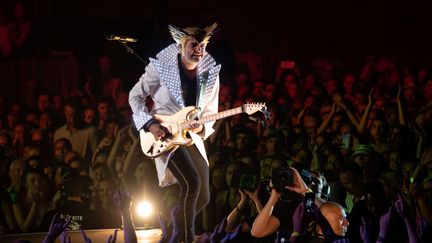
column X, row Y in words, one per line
column 345, row 155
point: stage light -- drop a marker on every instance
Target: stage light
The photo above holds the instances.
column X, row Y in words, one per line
column 144, row 209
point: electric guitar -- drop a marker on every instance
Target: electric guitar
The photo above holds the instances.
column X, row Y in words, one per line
column 177, row 125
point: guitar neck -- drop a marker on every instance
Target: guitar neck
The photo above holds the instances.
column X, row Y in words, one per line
column 220, row 115
column 215, row 117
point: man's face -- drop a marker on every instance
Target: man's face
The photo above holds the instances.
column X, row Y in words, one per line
column 193, row 51
column 241, row 141
column 340, row 224
column 17, row 171
column 361, row 159
column 43, row 102
column 102, row 109
column 89, row 116
column 348, row 181
column 70, row 115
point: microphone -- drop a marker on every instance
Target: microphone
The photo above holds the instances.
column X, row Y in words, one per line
column 120, row 38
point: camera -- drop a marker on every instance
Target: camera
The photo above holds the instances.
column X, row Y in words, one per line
column 247, row 180
column 281, row 178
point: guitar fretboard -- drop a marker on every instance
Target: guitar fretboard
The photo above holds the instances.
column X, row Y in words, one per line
column 214, row 117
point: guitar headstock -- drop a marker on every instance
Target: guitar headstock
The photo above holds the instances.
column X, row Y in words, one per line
column 251, row 108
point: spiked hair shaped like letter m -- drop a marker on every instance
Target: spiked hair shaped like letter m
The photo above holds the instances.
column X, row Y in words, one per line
column 201, row 35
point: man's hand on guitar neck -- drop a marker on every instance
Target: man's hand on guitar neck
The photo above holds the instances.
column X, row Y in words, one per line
column 196, row 128
column 157, row 130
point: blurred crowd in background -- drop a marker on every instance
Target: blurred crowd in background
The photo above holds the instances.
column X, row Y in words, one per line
column 359, row 138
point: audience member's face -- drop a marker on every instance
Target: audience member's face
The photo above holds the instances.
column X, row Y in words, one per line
column 409, row 81
column 43, row 103
column 140, row 171
column 339, row 222
column 89, row 116
column 292, row 90
column 104, row 64
column 17, row 171
column 309, row 82
column 58, row 102
column 332, row 162
column 348, row 83
column 409, row 95
column 241, row 79
column 310, row 125
column 100, row 173
column 289, row 79
column 375, row 206
column 265, row 168
column 394, row 161
column 269, row 91
column 105, row 189
column 37, row 136
column 44, row 121
column 59, row 150
column 349, row 182
column 102, row 109
column 69, row 113
column 271, row 145
column 229, row 173
column 362, row 159
column 4, row 141
column 257, row 89
column 44, row 189
column 218, row 178
column 110, row 129
column 331, row 86
column 33, row 182
column 241, row 141
column 408, row 168
column 377, row 129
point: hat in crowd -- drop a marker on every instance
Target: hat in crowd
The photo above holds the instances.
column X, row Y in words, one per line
column 362, row 149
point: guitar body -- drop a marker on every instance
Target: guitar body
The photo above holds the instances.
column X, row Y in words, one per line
column 175, row 137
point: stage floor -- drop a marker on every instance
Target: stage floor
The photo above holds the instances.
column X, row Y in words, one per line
column 144, row 236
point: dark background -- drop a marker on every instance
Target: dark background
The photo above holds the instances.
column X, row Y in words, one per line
column 302, row 30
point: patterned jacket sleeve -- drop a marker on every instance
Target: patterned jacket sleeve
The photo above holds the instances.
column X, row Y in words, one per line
column 146, row 86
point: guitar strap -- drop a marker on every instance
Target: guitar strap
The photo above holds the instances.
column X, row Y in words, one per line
column 201, row 96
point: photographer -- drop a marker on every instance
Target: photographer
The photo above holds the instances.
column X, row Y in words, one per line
column 287, row 191
column 244, row 213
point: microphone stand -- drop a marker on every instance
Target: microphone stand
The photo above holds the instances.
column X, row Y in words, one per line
column 131, row 51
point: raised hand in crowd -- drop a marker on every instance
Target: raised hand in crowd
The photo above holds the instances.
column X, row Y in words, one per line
column 403, row 211
column 112, row 238
column 57, row 226
column 219, row 234
column 64, row 237
column 385, row 221
column 301, row 188
column 167, row 235
column 365, row 231
column 363, row 122
column 299, row 185
column 86, row 239
column 123, row 200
